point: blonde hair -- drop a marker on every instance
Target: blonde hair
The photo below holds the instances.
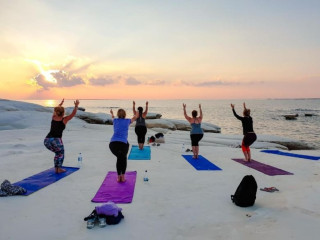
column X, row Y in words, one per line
column 121, row 113
column 59, row 111
column 246, row 112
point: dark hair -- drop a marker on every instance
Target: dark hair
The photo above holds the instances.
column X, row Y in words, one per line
column 140, row 109
column 246, row 112
column 194, row 113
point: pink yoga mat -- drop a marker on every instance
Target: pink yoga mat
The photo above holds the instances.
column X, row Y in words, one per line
column 117, row 192
column 264, row 168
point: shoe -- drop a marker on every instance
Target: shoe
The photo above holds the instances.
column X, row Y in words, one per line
column 102, row 222
column 90, row 223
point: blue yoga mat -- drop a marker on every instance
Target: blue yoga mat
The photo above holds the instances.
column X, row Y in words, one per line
column 291, row 154
column 43, row 179
column 201, row 163
column 137, row 154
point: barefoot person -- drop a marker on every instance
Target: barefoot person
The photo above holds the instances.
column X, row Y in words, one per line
column 53, row 140
column 249, row 135
column 119, row 145
column 140, row 129
column 196, row 133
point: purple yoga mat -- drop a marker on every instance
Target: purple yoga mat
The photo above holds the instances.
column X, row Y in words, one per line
column 264, row 168
column 117, row 192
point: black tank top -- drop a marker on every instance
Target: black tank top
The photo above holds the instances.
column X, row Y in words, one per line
column 56, row 130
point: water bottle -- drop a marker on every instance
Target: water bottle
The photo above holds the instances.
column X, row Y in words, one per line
column 183, row 149
column 145, row 177
column 80, row 160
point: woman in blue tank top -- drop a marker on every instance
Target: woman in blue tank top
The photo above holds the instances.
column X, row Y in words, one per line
column 196, row 133
column 119, row 144
column 53, row 140
column 141, row 128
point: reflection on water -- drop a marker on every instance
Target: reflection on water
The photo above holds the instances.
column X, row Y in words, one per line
column 267, row 114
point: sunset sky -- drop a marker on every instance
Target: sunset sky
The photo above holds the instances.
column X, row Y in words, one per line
column 164, row 49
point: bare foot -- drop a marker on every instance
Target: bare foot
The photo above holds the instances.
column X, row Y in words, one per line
column 122, row 178
column 60, row 170
column 119, row 178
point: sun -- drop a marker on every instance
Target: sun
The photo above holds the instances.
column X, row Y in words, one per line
column 46, row 73
column 50, row 103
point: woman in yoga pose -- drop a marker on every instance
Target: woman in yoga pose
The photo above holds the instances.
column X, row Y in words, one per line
column 196, row 133
column 53, row 140
column 140, row 129
column 249, row 134
column 119, row 145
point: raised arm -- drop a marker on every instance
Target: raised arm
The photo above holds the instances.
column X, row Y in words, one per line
column 111, row 112
column 185, row 112
column 134, row 108
column 145, row 111
column 135, row 117
column 244, row 105
column 61, row 103
column 200, row 110
column 68, row 118
column 234, row 113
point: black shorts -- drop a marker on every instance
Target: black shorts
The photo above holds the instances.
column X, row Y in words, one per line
column 249, row 138
column 195, row 139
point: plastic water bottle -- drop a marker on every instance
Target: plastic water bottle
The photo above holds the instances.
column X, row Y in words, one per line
column 183, row 149
column 80, row 160
column 145, row 177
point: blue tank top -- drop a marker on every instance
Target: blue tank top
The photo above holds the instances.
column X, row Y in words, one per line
column 196, row 128
column 120, row 130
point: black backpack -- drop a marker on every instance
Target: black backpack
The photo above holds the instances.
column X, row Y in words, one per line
column 245, row 194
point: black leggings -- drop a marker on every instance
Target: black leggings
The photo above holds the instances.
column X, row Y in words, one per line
column 141, row 133
column 195, row 139
column 120, row 150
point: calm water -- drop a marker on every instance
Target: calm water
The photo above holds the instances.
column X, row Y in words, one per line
column 267, row 114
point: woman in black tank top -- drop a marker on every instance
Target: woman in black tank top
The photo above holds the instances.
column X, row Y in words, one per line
column 53, row 140
column 249, row 135
column 140, row 128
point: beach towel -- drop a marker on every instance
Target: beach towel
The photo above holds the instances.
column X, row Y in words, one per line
column 201, row 163
column 43, row 179
column 117, row 192
column 264, row 168
column 137, row 154
column 291, row 154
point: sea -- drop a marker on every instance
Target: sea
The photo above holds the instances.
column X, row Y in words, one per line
column 268, row 114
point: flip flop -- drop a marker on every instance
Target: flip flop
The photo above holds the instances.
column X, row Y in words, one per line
column 269, row 189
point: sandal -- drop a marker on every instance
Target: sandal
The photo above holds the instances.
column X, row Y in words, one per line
column 269, row 189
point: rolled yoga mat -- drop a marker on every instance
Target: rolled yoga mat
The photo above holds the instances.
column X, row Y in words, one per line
column 117, row 192
column 43, row 179
column 201, row 163
column 264, row 168
column 137, row 154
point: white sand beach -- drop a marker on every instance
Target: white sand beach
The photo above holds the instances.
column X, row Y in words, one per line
column 177, row 203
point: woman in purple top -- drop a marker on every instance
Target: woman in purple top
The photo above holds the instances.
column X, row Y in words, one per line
column 119, row 145
column 53, row 140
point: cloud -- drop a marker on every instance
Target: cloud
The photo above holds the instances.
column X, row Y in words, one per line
column 65, row 79
column 219, row 83
column 62, row 79
column 156, row 83
column 102, row 81
column 132, row 81
column 41, row 81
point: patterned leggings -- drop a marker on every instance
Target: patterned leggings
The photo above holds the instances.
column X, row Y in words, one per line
column 55, row 145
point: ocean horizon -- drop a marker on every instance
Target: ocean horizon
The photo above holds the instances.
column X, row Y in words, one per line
column 268, row 114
